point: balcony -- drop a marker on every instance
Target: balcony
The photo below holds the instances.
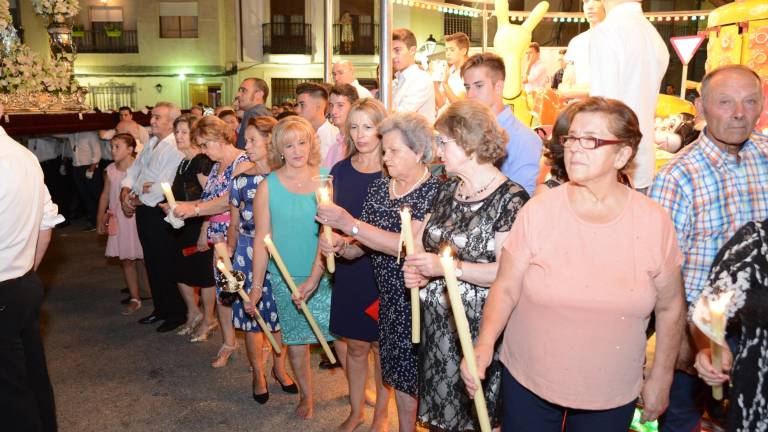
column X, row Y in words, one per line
column 287, row 38
column 365, row 40
column 120, row 41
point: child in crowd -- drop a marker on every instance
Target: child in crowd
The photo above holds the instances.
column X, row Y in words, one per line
column 123, row 239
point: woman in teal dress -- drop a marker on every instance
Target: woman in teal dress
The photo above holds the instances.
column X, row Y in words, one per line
column 287, row 204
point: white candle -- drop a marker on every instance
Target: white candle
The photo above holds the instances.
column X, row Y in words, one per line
column 325, row 198
column 717, row 321
column 406, row 238
column 465, row 337
column 168, row 194
column 303, row 305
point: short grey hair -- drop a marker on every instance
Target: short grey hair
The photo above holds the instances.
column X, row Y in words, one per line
column 415, row 130
column 727, row 68
column 173, row 110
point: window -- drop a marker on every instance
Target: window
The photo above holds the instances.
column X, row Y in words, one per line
column 112, row 95
column 178, row 20
column 16, row 17
column 283, row 89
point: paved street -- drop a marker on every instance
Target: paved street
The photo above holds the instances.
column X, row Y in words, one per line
column 111, row 374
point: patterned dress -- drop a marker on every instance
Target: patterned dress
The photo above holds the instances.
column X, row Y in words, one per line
column 399, row 357
column 241, row 195
column 742, row 266
column 470, row 229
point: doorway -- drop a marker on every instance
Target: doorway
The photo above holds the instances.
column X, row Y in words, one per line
column 208, row 94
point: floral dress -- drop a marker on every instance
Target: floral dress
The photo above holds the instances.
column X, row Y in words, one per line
column 470, row 229
column 399, row 357
column 241, row 195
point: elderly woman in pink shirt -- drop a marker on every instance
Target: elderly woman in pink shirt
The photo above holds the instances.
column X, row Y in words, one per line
column 583, row 268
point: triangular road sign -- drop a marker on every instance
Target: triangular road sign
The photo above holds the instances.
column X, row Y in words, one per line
column 686, row 46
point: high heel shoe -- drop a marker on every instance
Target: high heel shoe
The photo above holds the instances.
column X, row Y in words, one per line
column 189, row 328
column 263, row 397
column 225, row 353
column 290, row 388
column 202, row 337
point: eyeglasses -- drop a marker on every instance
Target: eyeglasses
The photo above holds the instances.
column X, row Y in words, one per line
column 441, row 141
column 586, row 142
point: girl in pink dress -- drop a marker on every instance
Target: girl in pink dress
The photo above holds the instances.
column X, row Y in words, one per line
column 123, row 239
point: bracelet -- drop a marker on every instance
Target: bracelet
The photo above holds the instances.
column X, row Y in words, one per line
column 197, row 210
column 257, row 287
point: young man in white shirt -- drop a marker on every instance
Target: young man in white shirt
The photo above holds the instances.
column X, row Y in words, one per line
column 413, row 90
column 630, row 69
column 576, row 76
column 451, row 88
column 535, row 79
column 311, row 104
column 343, row 72
column 27, row 216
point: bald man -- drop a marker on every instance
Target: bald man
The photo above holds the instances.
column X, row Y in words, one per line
column 344, row 73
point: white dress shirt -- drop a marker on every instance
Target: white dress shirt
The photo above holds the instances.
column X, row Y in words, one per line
column 327, row 134
column 25, row 208
column 156, row 163
column 630, row 69
column 362, row 92
column 537, row 77
column 86, row 147
column 414, row 92
column 577, row 57
column 45, row 148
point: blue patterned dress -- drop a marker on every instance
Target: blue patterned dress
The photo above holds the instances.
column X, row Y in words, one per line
column 241, row 195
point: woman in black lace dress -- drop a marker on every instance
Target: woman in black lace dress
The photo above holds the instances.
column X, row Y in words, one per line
column 742, row 266
column 472, row 214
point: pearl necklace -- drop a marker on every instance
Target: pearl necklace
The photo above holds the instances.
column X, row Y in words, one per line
column 468, row 196
column 418, row 182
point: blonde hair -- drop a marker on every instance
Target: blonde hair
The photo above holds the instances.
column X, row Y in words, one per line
column 376, row 113
column 211, row 127
column 293, row 128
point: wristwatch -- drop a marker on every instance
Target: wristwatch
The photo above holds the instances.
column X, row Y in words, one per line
column 355, row 228
column 458, row 272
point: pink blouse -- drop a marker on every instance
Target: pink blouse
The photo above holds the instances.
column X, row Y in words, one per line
column 577, row 335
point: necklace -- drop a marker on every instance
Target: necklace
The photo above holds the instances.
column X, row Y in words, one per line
column 475, row 193
column 418, row 182
column 183, row 166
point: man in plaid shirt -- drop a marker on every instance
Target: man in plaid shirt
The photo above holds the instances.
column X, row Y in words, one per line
column 712, row 188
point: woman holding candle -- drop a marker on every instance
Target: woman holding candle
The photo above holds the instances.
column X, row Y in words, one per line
column 407, row 144
column 472, row 214
column 354, row 286
column 582, row 269
column 286, row 204
column 195, row 266
column 741, row 266
column 240, row 239
column 217, row 141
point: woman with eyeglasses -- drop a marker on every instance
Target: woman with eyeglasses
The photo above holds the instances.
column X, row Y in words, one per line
column 583, row 267
column 472, row 214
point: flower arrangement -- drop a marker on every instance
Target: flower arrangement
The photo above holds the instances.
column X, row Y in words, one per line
column 68, row 8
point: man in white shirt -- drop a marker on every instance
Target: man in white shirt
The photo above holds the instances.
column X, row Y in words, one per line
column 140, row 194
column 535, row 79
column 628, row 59
column 413, row 90
column 86, row 148
column 451, row 87
column 344, row 73
column 576, row 76
column 27, row 216
column 311, row 104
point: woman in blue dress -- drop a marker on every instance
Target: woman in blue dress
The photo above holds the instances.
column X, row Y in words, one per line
column 217, row 141
column 240, row 239
column 286, row 207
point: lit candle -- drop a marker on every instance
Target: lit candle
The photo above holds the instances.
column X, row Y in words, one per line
column 717, row 308
column 325, row 198
column 406, row 237
column 303, row 305
column 465, row 337
column 244, row 296
column 168, row 194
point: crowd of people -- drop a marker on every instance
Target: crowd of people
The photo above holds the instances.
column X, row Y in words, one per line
column 558, row 289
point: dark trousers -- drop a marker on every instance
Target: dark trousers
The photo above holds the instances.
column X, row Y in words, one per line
column 59, row 185
column 160, row 259
column 687, row 402
column 524, row 411
column 89, row 189
column 26, row 395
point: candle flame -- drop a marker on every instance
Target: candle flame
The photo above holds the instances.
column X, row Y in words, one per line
column 405, row 210
column 220, row 265
column 447, row 252
column 720, row 303
column 324, row 195
column 267, row 239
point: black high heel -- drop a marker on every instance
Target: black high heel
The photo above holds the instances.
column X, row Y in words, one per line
column 263, row 397
column 291, row 388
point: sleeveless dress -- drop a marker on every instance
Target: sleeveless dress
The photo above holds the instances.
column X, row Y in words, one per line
column 469, row 228
column 241, row 195
column 192, row 268
column 295, row 234
column 124, row 245
column 399, row 357
column 354, row 287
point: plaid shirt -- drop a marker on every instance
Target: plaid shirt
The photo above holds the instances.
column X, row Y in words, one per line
column 710, row 195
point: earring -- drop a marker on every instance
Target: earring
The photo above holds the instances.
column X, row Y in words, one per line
column 282, row 157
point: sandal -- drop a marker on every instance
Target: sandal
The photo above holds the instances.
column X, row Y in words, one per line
column 205, row 334
column 224, row 354
column 133, row 306
column 190, row 327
